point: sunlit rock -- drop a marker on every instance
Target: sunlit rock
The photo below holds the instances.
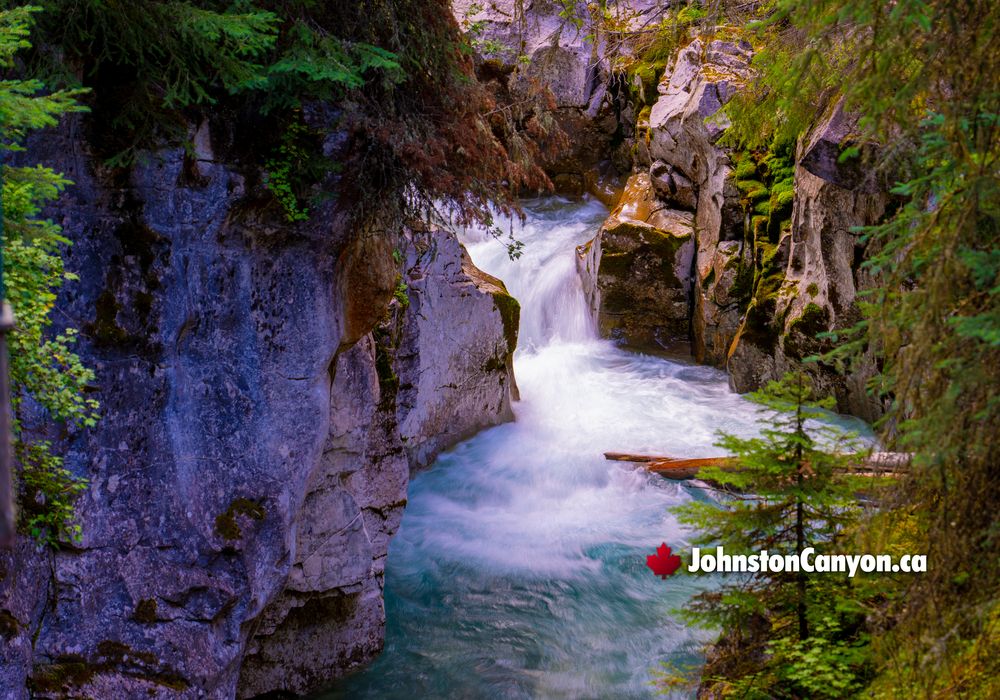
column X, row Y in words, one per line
column 637, row 271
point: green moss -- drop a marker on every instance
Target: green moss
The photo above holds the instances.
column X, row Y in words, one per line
column 709, row 278
column 746, row 168
column 645, row 72
column 226, row 524
column 616, row 264
column 767, row 254
column 742, row 287
column 71, row 671
column 388, row 380
column 748, row 186
column 644, row 114
column 510, row 315
column 496, row 363
column 811, row 321
column 145, row 611
column 768, row 286
column 105, row 329
column 8, row 624
column 813, row 289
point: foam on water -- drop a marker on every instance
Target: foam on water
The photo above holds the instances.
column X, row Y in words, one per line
column 519, row 568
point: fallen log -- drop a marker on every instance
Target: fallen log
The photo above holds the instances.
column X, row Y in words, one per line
column 679, row 468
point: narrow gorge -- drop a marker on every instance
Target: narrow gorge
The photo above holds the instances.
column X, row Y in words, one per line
column 347, row 451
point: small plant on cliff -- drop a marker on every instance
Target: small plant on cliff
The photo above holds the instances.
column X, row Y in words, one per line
column 47, row 377
column 783, row 631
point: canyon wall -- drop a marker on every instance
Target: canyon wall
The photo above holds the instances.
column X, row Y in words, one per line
column 744, row 258
column 265, row 390
column 748, row 257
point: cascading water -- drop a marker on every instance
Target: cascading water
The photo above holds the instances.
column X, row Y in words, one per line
column 519, row 568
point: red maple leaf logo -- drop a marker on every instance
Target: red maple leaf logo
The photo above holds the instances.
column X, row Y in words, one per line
column 663, row 563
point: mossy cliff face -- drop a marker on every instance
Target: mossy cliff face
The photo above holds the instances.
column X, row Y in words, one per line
column 249, row 469
column 818, row 279
column 770, row 260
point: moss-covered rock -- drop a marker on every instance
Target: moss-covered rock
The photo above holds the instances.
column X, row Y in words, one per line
column 227, row 524
column 637, row 270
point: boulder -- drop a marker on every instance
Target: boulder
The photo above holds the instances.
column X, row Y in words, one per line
column 637, row 271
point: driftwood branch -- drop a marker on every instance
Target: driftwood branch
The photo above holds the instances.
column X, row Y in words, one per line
column 868, row 464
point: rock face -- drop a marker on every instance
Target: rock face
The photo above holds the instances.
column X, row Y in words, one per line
column 329, row 616
column 249, row 468
column 684, row 127
column 822, row 277
column 455, row 357
column 764, row 268
column 677, row 287
column 559, row 57
column 637, row 271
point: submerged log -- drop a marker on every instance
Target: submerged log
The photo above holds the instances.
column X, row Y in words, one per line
column 680, row 468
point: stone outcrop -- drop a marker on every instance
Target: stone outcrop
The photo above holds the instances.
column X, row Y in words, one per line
column 455, row 357
column 558, row 56
column 636, row 272
column 822, row 276
column 249, row 469
column 762, row 287
column 689, row 167
column 657, row 294
column 329, row 616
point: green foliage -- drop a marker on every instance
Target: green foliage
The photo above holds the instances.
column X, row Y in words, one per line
column 400, row 293
column 48, row 492
column 800, row 498
column 292, row 167
column 317, row 65
column 422, row 131
column 43, row 367
column 474, row 29
column 825, row 665
column 178, row 53
column 655, row 48
column 925, row 77
column 164, row 56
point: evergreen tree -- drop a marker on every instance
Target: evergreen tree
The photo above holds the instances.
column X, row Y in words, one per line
column 786, row 634
column 924, row 75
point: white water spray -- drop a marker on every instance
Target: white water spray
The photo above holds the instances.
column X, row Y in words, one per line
column 519, row 569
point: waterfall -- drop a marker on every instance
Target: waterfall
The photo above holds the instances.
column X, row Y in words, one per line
column 544, row 279
column 519, row 568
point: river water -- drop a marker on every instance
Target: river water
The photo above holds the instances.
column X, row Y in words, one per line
column 519, row 568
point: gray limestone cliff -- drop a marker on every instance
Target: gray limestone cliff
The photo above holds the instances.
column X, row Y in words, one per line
column 762, row 287
column 257, row 437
